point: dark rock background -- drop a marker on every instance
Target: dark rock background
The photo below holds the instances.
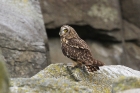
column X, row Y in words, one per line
column 110, row 27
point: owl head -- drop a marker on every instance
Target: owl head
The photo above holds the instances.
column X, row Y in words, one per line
column 68, row 32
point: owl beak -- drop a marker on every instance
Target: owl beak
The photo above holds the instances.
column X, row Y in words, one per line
column 60, row 33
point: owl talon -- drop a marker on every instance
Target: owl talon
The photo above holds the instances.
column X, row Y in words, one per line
column 77, row 66
column 69, row 68
column 84, row 69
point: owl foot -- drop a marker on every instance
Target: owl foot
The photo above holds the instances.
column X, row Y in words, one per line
column 72, row 67
column 84, row 69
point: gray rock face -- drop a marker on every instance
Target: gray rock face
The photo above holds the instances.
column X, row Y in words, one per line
column 137, row 90
column 23, row 37
column 131, row 32
column 58, row 78
column 100, row 14
column 131, row 11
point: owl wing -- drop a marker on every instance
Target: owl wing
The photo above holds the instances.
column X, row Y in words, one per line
column 79, row 51
column 78, row 43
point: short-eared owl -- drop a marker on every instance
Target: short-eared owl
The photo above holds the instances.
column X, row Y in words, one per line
column 76, row 49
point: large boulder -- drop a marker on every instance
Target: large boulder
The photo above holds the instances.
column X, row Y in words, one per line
column 131, row 31
column 62, row 79
column 100, row 14
column 131, row 11
column 23, row 37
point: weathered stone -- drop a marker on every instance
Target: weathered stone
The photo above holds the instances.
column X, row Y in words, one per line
column 61, row 79
column 4, row 80
column 127, row 54
column 135, row 90
column 131, row 32
column 23, row 37
column 131, row 11
column 100, row 14
column 132, row 56
column 126, row 85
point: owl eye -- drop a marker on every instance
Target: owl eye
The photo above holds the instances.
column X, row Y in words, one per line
column 65, row 30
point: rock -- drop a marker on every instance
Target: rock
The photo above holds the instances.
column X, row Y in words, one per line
column 4, row 77
column 100, row 14
column 126, row 85
column 127, row 54
column 137, row 90
column 131, row 11
column 103, row 17
column 131, row 32
column 23, row 37
column 61, row 79
column 132, row 56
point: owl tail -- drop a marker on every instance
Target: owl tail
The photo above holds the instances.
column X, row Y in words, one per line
column 91, row 68
column 94, row 67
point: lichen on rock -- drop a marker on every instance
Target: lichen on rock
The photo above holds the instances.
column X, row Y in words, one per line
column 59, row 78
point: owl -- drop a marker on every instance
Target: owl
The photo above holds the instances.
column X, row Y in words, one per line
column 77, row 50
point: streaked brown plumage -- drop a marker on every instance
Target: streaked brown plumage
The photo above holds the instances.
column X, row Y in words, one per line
column 76, row 49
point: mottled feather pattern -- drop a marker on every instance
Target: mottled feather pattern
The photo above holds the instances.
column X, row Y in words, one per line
column 76, row 49
column 78, row 43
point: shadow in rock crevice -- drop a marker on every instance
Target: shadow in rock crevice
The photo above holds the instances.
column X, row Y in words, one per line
column 86, row 32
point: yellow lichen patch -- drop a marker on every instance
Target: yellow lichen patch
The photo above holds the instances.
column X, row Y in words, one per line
column 101, row 89
column 25, row 1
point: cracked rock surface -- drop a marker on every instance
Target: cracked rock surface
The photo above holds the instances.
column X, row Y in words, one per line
column 23, row 40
